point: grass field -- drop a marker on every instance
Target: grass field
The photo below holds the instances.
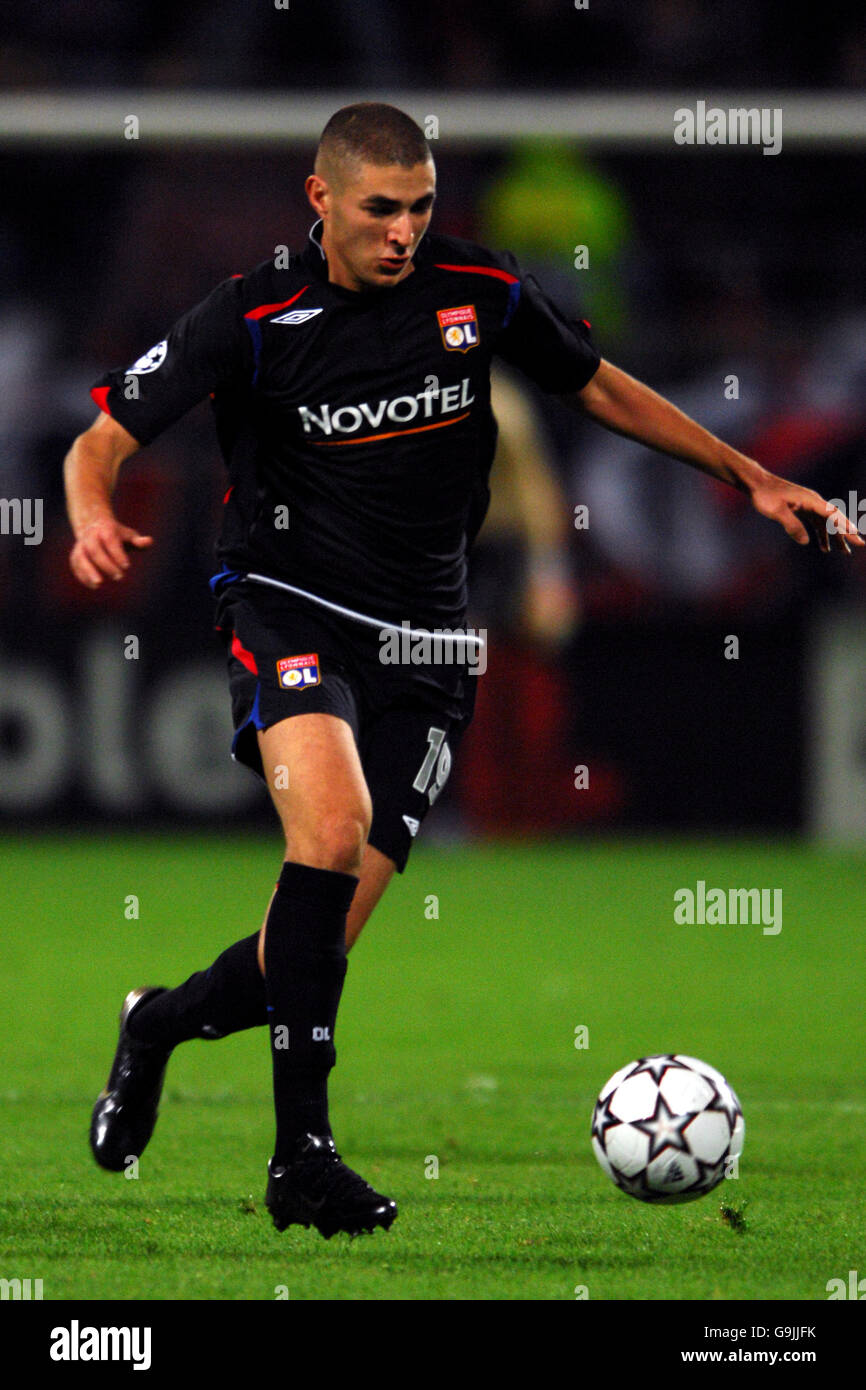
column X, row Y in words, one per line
column 456, row 1041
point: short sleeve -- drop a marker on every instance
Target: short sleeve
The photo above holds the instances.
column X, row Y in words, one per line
column 555, row 352
column 207, row 348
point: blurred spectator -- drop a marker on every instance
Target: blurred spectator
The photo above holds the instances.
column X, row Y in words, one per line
column 677, row 540
column 523, row 591
column 568, row 224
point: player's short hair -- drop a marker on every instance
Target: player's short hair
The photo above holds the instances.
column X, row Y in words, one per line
column 370, row 132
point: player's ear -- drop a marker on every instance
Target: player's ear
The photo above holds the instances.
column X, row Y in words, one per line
column 318, row 193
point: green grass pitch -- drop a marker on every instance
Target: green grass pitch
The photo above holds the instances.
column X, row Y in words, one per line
column 456, row 1045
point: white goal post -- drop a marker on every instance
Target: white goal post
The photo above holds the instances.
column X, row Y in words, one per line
column 634, row 119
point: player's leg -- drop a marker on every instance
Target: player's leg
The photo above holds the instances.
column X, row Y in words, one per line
column 317, row 784
column 230, row 994
column 377, row 870
column 228, row 997
column 406, row 759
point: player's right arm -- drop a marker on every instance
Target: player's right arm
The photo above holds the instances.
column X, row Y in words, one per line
column 90, row 473
column 207, row 347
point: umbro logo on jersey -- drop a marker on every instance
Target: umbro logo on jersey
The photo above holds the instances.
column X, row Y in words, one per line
column 296, row 316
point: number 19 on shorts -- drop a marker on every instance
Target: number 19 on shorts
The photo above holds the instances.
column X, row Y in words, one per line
column 438, row 757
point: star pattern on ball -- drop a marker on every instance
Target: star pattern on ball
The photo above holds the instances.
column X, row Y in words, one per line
column 635, row 1187
column 603, row 1119
column 724, row 1106
column 657, row 1066
column 665, row 1129
column 710, row 1174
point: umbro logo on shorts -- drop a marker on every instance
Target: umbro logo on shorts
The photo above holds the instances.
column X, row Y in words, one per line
column 296, row 316
column 412, row 825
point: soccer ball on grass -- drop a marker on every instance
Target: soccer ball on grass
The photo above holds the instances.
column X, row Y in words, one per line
column 665, row 1129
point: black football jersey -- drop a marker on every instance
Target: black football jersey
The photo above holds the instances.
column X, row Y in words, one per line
column 356, row 426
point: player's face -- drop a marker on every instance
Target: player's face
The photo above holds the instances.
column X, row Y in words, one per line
column 373, row 224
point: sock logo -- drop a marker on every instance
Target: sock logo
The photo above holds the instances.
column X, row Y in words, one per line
column 321, row 1034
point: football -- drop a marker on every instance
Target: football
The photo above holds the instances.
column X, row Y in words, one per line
column 667, row 1129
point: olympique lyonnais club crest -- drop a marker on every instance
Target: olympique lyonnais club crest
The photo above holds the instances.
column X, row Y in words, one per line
column 298, row 672
column 459, row 328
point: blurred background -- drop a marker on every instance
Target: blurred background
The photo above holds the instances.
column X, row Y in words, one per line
column 611, row 580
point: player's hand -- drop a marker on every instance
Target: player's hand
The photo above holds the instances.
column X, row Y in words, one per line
column 789, row 503
column 101, row 551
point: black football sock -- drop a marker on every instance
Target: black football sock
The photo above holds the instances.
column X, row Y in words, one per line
column 223, row 999
column 305, row 965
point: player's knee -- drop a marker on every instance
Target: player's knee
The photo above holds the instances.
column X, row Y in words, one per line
column 335, row 840
column 342, row 839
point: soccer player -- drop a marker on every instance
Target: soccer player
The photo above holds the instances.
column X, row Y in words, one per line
column 351, row 393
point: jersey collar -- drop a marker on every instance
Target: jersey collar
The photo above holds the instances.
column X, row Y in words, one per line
column 312, row 256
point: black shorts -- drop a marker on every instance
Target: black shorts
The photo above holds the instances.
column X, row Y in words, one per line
column 289, row 656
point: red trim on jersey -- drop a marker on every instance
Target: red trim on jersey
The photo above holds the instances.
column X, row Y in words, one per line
column 228, row 494
column 246, row 658
column 392, row 434
column 264, row 309
column 100, row 395
column 482, row 270
column 587, row 322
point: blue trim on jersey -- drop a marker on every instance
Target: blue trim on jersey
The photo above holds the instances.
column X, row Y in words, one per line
column 513, row 301
column 256, row 335
column 224, row 577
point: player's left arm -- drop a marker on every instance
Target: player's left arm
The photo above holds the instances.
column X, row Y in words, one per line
column 628, row 407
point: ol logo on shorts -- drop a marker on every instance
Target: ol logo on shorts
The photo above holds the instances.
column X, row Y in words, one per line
column 298, row 672
column 459, row 328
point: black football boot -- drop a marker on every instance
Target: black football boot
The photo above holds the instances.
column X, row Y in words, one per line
column 317, row 1189
column 125, row 1113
